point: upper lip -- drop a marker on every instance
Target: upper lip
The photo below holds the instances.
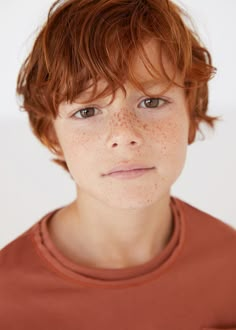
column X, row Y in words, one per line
column 128, row 167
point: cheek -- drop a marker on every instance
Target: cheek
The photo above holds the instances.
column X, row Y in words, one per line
column 81, row 152
column 171, row 142
column 75, row 146
column 171, row 133
column 74, row 142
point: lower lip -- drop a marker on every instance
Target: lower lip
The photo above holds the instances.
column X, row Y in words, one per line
column 130, row 174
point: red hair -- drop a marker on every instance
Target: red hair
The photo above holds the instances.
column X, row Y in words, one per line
column 87, row 40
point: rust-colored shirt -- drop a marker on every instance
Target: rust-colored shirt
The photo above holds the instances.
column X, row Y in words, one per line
column 190, row 285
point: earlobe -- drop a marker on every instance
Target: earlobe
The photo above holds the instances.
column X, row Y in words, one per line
column 60, row 154
column 52, row 134
column 54, row 142
column 192, row 133
column 59, row 151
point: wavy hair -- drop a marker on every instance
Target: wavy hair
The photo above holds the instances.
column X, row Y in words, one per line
column 86, row 40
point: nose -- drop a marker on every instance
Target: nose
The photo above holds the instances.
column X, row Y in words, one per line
column 124, row 130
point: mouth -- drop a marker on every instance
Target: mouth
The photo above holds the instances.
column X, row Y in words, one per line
column 128, row 168
column 129, row 174
column 132, row 170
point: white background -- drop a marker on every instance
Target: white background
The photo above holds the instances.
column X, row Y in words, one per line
column 31, row 185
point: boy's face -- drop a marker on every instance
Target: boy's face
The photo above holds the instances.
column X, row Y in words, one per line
column 129, row 129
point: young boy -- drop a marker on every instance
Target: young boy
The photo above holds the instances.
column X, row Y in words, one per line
column 125, row 254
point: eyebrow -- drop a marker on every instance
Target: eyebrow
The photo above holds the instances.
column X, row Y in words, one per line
column 151, row 83
column 146, row 84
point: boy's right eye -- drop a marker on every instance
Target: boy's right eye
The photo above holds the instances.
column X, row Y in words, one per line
column 85, row 111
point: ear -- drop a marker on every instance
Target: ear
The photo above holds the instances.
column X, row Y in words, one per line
column 193, row 126
column 54, row 142
column 191, row 134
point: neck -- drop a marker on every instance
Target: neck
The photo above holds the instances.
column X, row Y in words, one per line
column 114, row 239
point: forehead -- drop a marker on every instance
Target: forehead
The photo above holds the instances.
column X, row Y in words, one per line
column 147, row 84
column 156, row 55
column 149, row 75
column 145, row 76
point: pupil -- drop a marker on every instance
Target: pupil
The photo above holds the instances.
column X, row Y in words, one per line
column 86, row 111
column 150, row 101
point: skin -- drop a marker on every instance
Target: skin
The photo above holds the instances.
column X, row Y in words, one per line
column 117, row 223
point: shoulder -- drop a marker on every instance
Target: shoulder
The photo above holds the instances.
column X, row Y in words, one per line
column 207, row 237
column 16, row 252
column 208, row 252
column 199, row 219
column 15, row 260
column 21, row 266
column 20, row 252
column 205, row 234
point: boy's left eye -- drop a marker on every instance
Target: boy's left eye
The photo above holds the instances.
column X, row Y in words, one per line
column 154, row 102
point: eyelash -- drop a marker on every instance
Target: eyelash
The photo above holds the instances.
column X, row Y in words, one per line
column 93, row 107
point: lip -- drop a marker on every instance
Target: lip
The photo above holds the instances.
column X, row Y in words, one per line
column 131, row 174
column 129, row 167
